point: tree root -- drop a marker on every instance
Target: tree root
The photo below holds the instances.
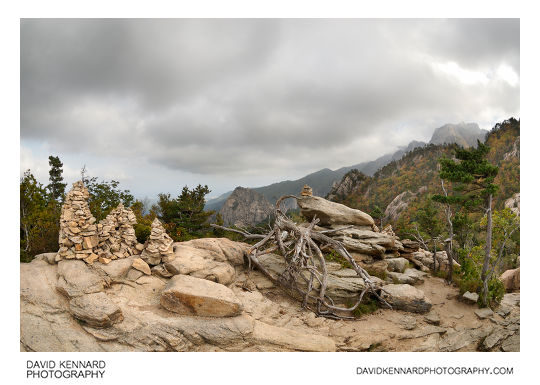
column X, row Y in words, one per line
column 304, row 261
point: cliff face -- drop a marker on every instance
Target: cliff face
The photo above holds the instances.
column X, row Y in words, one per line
column 347, row 185
column 245, row 207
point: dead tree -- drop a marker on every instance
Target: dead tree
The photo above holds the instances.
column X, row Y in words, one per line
column 301, row 247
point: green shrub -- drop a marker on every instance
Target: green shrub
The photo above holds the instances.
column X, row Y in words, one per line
column 333, row 256
column 468, row 276
column 368, row 306
column 495, row 291
column 142, row 232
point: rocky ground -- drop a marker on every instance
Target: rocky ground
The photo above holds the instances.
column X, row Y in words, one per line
column 451, row 325
column 73, row 306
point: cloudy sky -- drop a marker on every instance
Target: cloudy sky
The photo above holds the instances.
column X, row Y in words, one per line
column 159, row 104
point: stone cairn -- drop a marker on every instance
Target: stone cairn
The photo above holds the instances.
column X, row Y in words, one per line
column 306, row 191
column 117, row 236
column 81, row 238
column 78, row 232
column 158, row 245
column 388, row 231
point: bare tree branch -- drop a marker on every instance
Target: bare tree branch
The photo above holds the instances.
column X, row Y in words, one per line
column 300, row 247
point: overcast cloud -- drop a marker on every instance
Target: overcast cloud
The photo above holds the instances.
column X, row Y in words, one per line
column 158, row 104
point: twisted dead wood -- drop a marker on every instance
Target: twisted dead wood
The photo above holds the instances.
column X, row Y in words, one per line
column 304, row 261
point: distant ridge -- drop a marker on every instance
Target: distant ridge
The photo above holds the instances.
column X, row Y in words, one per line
column 322, row 181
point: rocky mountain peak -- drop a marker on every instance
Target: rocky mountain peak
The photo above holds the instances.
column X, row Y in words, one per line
column 245, row 207
column 464, row 134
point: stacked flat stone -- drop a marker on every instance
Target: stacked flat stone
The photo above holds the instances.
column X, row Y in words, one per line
column 388, row 230
column 409, row 246
column 158, row 245
column 78, row 231
column 116, row 234
column 307, row 191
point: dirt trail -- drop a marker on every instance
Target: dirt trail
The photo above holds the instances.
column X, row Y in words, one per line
column 385, row 330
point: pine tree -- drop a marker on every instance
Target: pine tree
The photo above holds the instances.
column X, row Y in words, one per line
column 472, row 177
column 184, row 217
column 57, row 188
column 377, row 213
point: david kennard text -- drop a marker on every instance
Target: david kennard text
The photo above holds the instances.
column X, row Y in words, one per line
column 65, row 369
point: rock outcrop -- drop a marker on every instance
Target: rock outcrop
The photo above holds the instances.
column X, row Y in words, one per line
column 513, row 203
column 400, row 203
column 343, row 285
column 245, row 207
column 95, row 310
column 115, row 313
column 207, row 258
column 76, row 278
column 331, row 213
column 471, row 298
column 397, row 265
column 194, row 296
column 405, row 297
column 510, row 279
column 378, row 252
column 73, row 306
column 426, row 259
column 514, row 153
column 142, row 266
column 347, row 185
column 368, row 242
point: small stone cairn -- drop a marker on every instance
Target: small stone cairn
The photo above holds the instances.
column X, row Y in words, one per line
column 388, row 231
column 158, row 245
column 117, row 236
column 306, row 191
column 78, row 231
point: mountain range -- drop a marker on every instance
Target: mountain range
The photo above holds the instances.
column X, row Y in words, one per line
column 322, row 181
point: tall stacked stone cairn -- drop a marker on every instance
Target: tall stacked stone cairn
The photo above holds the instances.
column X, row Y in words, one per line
column 158, row 246
column 78, row 231
column 117, row 238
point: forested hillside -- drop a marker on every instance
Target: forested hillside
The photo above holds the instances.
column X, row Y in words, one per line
column 419, row 168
